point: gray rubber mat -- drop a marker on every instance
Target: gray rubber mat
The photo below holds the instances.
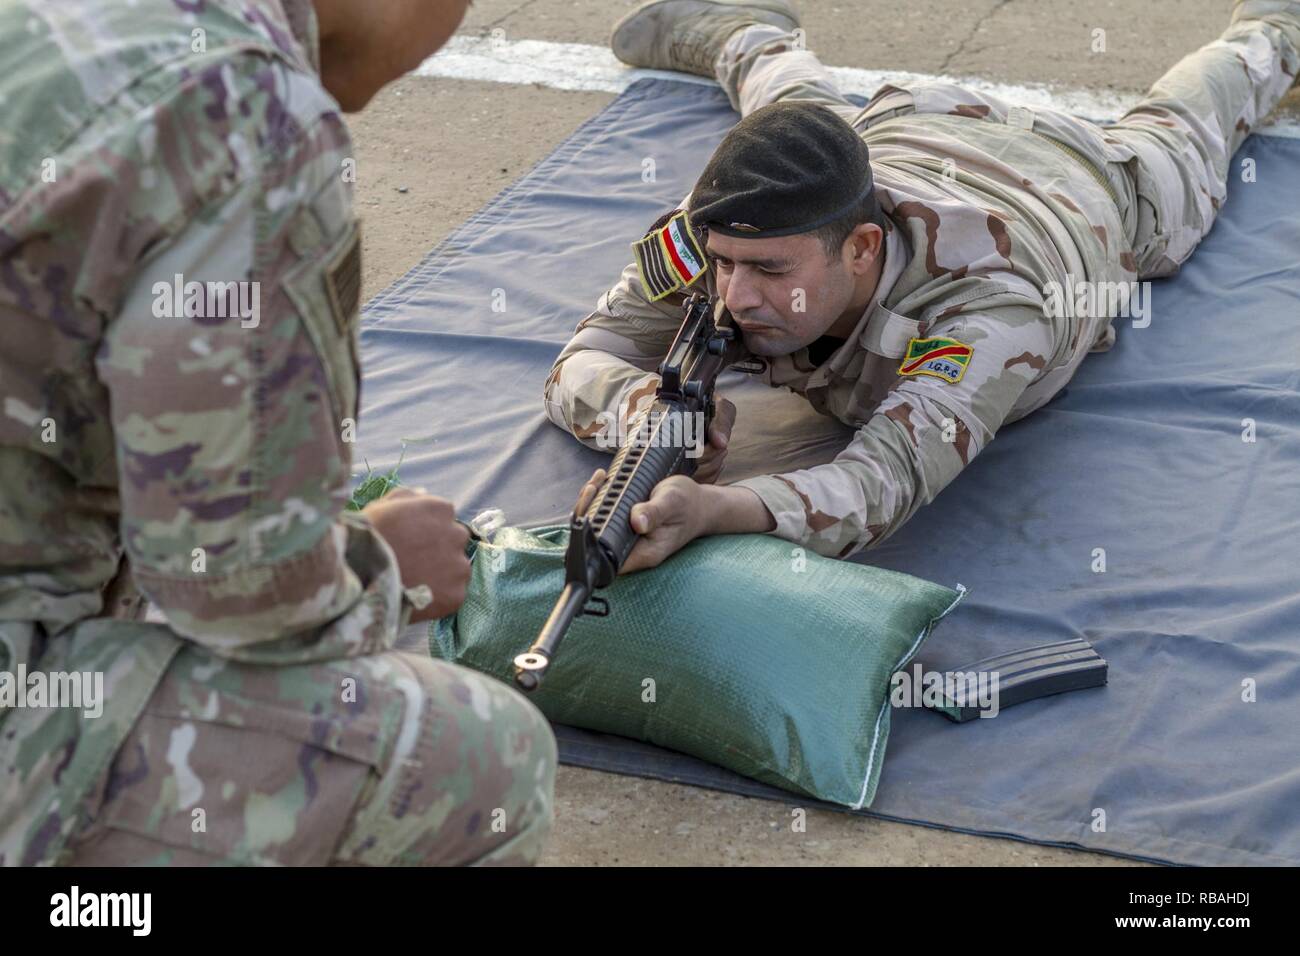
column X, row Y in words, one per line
column 1142, row 456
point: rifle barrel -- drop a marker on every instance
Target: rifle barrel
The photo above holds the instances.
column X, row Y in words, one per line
column 531, row 666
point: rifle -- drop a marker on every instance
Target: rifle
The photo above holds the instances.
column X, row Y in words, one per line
column 601, row 537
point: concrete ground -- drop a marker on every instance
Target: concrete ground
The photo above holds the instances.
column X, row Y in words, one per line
column 431, row 151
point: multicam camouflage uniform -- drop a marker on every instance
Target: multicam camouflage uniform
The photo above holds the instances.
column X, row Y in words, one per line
column 988, row 205
column 270, row 720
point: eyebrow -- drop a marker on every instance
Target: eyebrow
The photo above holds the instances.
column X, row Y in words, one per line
column 772, row 264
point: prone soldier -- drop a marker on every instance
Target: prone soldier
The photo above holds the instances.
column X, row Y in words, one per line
column 902, row 266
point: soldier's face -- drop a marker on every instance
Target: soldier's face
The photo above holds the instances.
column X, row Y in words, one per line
column 783, row 292
column 364, row 46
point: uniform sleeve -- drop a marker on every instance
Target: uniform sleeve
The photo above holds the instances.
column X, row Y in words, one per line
column 231, row 371
column 611, row 361
column 922, row 435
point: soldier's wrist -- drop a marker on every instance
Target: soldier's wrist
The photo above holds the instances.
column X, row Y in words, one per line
column 728, row 509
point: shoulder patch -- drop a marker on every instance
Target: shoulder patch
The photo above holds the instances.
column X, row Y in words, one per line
column 941, row 357
column 669, row 257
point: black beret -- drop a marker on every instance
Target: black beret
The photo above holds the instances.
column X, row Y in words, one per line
column 784, row 169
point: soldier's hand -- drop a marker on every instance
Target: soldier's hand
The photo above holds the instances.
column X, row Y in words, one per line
column 588, row 490
column 430, row 546
column 715, row 452
column 672, row 518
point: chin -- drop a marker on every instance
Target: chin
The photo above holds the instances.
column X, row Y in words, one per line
column 354, row 101
column 348, row 88
column 767, row 347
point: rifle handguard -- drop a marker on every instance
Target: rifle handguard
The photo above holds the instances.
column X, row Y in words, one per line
column 601, row 538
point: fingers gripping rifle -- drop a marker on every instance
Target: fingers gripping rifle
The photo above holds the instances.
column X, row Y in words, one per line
column 601, row 537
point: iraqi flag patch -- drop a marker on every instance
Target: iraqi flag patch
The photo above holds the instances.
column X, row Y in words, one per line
column 669, row 258
column 943, row 358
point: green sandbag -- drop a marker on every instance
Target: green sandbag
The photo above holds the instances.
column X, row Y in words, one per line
column 742, row 650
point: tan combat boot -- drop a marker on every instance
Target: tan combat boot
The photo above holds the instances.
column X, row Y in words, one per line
column 688, row 35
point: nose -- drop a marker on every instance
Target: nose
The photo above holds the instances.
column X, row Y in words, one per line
column 742, row 294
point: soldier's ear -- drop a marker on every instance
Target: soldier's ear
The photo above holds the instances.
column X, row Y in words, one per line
column 867, row 241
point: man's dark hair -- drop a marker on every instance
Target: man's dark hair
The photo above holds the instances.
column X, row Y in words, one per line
column 833, row 234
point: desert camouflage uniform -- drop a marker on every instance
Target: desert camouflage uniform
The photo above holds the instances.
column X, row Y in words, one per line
column 988, row 204
column 268, row 720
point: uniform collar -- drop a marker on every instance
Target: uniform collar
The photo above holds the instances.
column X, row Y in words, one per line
column 897, row 255
column 300, row 15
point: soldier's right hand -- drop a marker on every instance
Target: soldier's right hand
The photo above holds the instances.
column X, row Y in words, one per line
column 430, row 546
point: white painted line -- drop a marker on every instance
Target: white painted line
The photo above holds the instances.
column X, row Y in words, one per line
column 560, row 66
column 580, row 66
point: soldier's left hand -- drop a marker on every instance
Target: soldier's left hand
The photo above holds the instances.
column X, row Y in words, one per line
column 715, row 452
column 429, row 544
column 669, row 520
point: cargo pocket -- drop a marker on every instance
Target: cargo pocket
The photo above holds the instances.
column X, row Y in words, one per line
column 1169, row 220
column 888, row 333
column 247, row 764
column 325, row 288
